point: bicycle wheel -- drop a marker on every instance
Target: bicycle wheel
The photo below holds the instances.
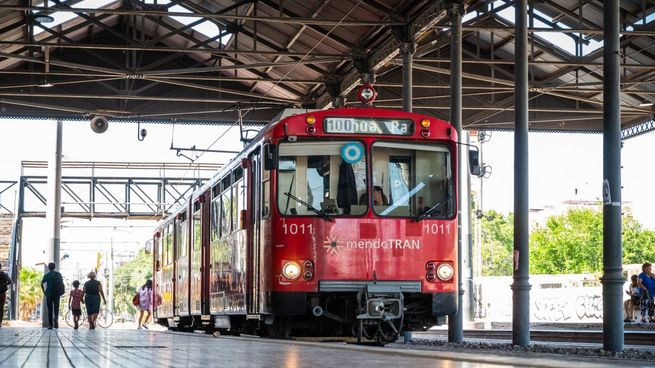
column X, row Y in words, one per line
column 69, row 318
column 105, row 318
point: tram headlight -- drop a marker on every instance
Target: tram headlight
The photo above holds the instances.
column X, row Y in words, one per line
column 445, row 272
column 291, row 270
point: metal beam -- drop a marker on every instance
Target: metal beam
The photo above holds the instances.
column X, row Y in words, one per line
column 158, row 13
column 589, row 31
column 209, row 50
column 136, row 98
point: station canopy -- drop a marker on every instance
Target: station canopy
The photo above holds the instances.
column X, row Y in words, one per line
column 207, row 61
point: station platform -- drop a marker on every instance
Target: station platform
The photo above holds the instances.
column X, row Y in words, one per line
column 38, row 347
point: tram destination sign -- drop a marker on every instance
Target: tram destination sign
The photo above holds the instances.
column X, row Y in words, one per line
column 347, row 125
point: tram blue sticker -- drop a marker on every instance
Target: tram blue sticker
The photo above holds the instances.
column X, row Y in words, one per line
column 352, row 152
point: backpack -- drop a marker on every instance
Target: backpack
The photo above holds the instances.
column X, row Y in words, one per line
column 59, row 288
column 136, row 300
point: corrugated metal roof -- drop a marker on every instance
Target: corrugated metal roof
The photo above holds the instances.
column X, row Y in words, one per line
column 131, row 60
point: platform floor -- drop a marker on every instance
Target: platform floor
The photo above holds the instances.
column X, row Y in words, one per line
column 37, row 347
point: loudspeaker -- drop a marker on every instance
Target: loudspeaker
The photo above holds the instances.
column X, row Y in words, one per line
column 99, row 124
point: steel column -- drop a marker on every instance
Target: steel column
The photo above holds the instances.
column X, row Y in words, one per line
column 612, row 279
column 53, row 213
column 407, row 50
column 455, row 10
column 521, row 284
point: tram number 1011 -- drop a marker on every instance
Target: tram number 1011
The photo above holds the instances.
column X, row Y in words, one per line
column 294, row 229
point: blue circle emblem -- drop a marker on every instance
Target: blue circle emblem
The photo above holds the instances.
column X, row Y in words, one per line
column 352, row 152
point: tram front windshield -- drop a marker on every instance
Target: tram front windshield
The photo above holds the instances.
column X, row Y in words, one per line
column 313, row 176
column 412, row 180
column 331, row 179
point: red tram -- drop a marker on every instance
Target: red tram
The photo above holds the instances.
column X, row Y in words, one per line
column 338, row 222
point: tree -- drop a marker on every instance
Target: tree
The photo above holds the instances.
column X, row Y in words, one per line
column 573, row 243
column 30, row 291
column 568, row 243
column 497, row 238
column 129, row 277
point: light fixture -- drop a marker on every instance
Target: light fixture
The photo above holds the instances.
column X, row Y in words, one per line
column 646, row 104
column 43, row 17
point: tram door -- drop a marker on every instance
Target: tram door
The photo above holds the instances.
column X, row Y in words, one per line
column 196, row 259
column 254, row 235
column 182, row 265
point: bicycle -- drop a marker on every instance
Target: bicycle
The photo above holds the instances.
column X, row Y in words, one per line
column 105, row 318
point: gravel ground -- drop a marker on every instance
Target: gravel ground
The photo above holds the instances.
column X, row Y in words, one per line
column 579, row 352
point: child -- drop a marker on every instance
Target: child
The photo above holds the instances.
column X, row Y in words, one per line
column 74, row 300
column 634, row 301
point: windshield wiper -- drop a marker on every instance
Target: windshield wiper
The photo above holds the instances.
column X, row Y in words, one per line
column 433, row 208
column 324, row 215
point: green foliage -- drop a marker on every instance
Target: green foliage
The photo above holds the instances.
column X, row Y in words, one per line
column 129, row 277
column 30, row 291
column 497, row 237
column 569, row 243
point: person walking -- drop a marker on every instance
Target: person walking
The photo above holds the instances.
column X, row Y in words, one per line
column 74, row 300
column 5, row 282
column 92, row 291
column 145, row 303
column 53, row 290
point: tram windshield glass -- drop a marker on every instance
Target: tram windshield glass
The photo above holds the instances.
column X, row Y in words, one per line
column 412, row 180
column 322, row 179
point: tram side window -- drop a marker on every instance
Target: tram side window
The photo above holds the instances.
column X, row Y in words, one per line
column 214, row 216
column 266, row 193
column 169, row 244
column 182, row 233
column 158, row 246
column 226, row 209
column 237, row 201
column 197, row 222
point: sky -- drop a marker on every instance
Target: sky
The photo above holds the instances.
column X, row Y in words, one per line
column 559, row 163
column 82, row 239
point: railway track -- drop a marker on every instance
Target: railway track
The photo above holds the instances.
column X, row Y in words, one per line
column 646, row 337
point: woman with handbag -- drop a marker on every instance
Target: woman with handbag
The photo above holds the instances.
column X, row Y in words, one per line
column 145, row 304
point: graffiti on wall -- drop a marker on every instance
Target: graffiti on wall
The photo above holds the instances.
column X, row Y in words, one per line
column 553, row 298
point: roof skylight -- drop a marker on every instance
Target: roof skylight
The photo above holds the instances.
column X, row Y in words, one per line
column 557, row 39
column 207, row 28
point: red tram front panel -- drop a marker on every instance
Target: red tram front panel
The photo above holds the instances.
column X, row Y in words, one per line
column 364, row 250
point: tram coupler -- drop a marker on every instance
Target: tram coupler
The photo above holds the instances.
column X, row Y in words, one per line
column 382, row 302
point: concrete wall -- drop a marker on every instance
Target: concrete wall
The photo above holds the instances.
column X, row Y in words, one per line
column 553, row 298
